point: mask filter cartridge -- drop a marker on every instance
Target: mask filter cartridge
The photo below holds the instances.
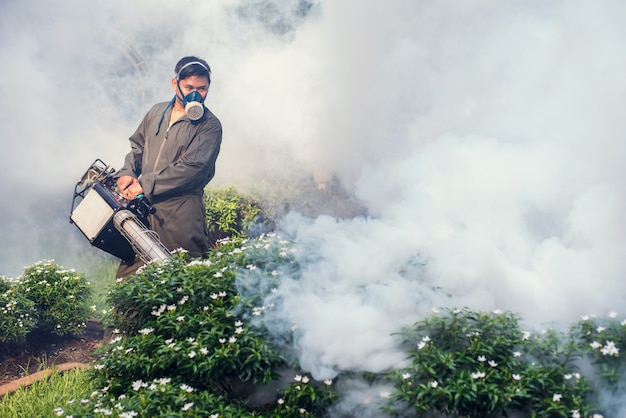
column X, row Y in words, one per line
column 193, row 106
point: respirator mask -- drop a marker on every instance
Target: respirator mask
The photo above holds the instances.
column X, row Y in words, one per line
column 193, row 102
column 194, row 108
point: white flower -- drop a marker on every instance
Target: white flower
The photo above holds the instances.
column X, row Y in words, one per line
column 281, row 401
column 516, row 376
column 385, row 394
column 214, row 296
column 525, row 335
column 406, row 376
column 421, row 345
column 146, row 331
column 297, row 378
column 232, row 340
column 180, row 318
column 575, row 413
column 517, row 354
column 328, row 382
column 584, row 317
column 556, row 397
column 192, row 354
column 612, row 314
column 595, row 345
column 567, row 376
column 426, row 339
column 128, row 414
column 492, row 363
column 204, row 350
column 187, row 406
column 610, row 349
column 497, row 311
column 478, row 375
column 305, row 379
column 238, row 323
column 482, row 359
column 186, row 388
column 238, row 330
column 138, row 384
column 434, row 384
column 302, row 411
column 600, row 329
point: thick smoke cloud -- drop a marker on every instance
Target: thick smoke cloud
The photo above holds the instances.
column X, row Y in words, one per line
column 485, row 139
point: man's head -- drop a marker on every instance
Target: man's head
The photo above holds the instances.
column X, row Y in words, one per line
column 191, row 85
column 190, row 66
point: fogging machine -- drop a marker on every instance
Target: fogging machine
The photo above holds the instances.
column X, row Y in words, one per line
column 111, row 222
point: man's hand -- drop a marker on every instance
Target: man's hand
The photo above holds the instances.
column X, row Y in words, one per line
column 129, row 187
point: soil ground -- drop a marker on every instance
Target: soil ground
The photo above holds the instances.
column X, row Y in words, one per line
column 44, row 350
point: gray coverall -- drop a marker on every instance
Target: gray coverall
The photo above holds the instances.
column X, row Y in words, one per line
column 173, row 165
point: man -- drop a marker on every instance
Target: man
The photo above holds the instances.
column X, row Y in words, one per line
column 172, row 159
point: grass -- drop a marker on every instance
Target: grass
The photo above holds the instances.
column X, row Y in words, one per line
column 101, row 275
column 42, row 397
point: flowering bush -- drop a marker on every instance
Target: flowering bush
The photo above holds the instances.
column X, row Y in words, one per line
column 185, row 343
column 603, row 339
column 60, row 297
column 481, row 364
column 182, row 337
column 16, row 313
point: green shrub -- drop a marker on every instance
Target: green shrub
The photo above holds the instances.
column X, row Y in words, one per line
column 16, row 313
column 183, row 342
column 474, row 364
column 232, row 214
column 604, row 340
column 60, row 297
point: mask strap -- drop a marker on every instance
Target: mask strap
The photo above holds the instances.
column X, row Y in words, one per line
column 163, row 114
column 191, row 63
